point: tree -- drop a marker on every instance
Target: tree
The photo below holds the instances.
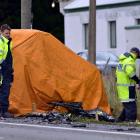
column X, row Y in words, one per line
column 10, row 13
column 47, row 18
column 44, row 18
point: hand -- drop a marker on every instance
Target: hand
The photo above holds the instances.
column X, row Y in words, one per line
column 138, row 86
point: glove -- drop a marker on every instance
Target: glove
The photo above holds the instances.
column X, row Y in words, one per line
column 138, row 85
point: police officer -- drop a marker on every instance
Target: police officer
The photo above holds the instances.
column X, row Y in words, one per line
column 6, row 70
column 126, row 82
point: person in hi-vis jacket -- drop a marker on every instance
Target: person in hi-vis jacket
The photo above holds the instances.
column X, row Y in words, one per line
column 126, row 84
column 6, row 69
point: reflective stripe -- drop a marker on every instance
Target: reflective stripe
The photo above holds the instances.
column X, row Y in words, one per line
column 1, row 51
column 129, row 100
column 1, row 38
column 133, row 74
column 132, row 65
column 127, row 85
column 120, row 67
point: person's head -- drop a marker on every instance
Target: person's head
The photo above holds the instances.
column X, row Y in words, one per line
column 5, row 30
column 135, row 51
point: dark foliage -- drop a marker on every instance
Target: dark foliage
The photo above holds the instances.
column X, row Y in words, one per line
column 45, row 17
column 10, row 12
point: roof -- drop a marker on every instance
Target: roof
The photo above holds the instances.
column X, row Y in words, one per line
column 85, row 3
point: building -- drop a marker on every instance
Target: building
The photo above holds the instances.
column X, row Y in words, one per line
column 117, row 24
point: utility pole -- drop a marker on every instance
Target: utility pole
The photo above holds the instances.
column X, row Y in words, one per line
column 92, row 32
column 26, row 14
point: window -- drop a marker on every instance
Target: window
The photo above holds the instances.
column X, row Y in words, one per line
column 138, row 21
column 112, row 29
column 86, row 38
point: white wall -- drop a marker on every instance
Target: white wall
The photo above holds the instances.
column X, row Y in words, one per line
column 132, row 37
column 124, row 16
column 74, row 34
column 101, row 31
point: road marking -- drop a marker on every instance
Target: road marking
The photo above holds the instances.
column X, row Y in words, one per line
column 71, row 129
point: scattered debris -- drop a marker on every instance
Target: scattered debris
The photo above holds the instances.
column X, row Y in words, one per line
column 79, row 125
column 51, row 117
column 125, row 129
column 76, row 108
column 1, row 118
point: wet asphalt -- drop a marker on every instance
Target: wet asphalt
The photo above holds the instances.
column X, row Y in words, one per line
column 103, row 126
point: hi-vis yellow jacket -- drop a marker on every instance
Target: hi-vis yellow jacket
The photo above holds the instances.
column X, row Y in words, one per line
column 3, row 51
column 3, row 48
column 126, row 69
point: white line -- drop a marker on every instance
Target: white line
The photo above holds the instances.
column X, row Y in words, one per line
column 71, row 129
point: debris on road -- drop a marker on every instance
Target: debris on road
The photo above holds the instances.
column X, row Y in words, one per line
column 76, row 108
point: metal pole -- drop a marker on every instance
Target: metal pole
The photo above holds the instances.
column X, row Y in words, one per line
column 92, row 32
column 26, row 14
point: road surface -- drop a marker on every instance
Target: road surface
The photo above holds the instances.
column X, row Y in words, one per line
column 12, row 131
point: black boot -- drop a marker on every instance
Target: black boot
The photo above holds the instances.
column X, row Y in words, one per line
column 5, row 114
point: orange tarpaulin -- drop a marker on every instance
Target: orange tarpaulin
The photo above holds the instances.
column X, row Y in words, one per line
column 45, row 70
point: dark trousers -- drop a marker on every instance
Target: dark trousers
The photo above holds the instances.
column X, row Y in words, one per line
column 5, row 89
column 129, row 112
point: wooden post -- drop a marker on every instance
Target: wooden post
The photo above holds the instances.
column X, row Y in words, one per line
column 33, row 107
column 92, row 32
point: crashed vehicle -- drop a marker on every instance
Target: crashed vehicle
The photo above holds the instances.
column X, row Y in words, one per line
column 46, row 71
